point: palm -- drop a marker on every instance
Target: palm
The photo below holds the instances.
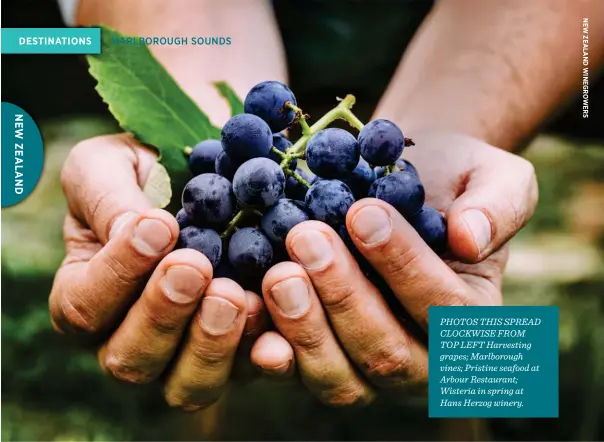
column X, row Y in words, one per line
column 446, row 174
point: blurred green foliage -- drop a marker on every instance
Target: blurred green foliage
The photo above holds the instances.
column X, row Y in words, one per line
column 52, row 390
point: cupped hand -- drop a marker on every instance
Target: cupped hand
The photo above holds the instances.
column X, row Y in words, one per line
column 348, row 343
column 157, row 313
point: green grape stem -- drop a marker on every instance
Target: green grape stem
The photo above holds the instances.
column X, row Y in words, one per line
column 299, row 155
column 279, row 153
column 341, row 111
column 297, row 177
column 232, row 226
column 188, row 150
column 298, row 150
column 301, row 117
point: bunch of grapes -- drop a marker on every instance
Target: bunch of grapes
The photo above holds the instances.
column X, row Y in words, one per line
column 249, row 191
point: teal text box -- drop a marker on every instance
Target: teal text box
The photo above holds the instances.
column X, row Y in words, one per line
column 22, row 154
column 493, row 362
column 51, row 40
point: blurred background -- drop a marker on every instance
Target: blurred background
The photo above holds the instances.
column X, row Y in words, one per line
column 54, row 391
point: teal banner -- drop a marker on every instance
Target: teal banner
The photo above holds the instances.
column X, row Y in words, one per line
column 51, row 40
column 22, row 154
column 493, row 362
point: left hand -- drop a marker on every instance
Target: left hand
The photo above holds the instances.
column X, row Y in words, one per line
column 346, row 340
column 153, row 313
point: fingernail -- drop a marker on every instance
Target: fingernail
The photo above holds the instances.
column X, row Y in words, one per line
column 312, row 249
column 291, row 296
column 479, row 226
column 372, row 224
column 217, row 315
column 278, row 370
column 151, row 237
column 119, row 223
column 182, row 284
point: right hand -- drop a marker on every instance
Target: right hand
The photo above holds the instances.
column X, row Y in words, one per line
column 154, row 311
column 349, row 341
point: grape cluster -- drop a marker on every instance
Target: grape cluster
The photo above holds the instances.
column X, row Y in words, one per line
column 248, row 191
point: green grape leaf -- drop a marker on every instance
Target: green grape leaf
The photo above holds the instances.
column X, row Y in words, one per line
column 146, row 101
column 230, row 96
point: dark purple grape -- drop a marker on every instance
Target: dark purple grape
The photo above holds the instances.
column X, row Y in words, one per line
column 203, row 157
column 402, row 190
column 406, row 166
column 360, row 179
column 281, row 218
column 267, row 101
column 332, row 153
column 259, row 182
column 225, row 270
column 225, row 166
column 294, row 189
column 280, row 254
column 381, row 142
column 246, row 136
column 250, row 251
column 182, row 219
column 208, row 200
column 329, row 201
column 206, row 241
column 403, row 166
column 432, row 227
column 281, row 143
column 247, row 282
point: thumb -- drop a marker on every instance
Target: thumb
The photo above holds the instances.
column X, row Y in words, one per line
column 102, row 180
column 492, row 209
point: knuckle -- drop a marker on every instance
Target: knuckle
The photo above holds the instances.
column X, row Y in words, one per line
column 163, row 323
column 337, row 295
column 211, row 357
column 78, row 318
column 119, row 368
column 517, row 212
column 392, row 366
column 401, row 264
column 346, row 396
column 80, row 155
column 73, row 162
column 452, row 297
column 310, row 340
column 119, row 272
column 457, row 297
column 185, row 402
column 525, row 167
column 525, row 208
column 99, row 202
